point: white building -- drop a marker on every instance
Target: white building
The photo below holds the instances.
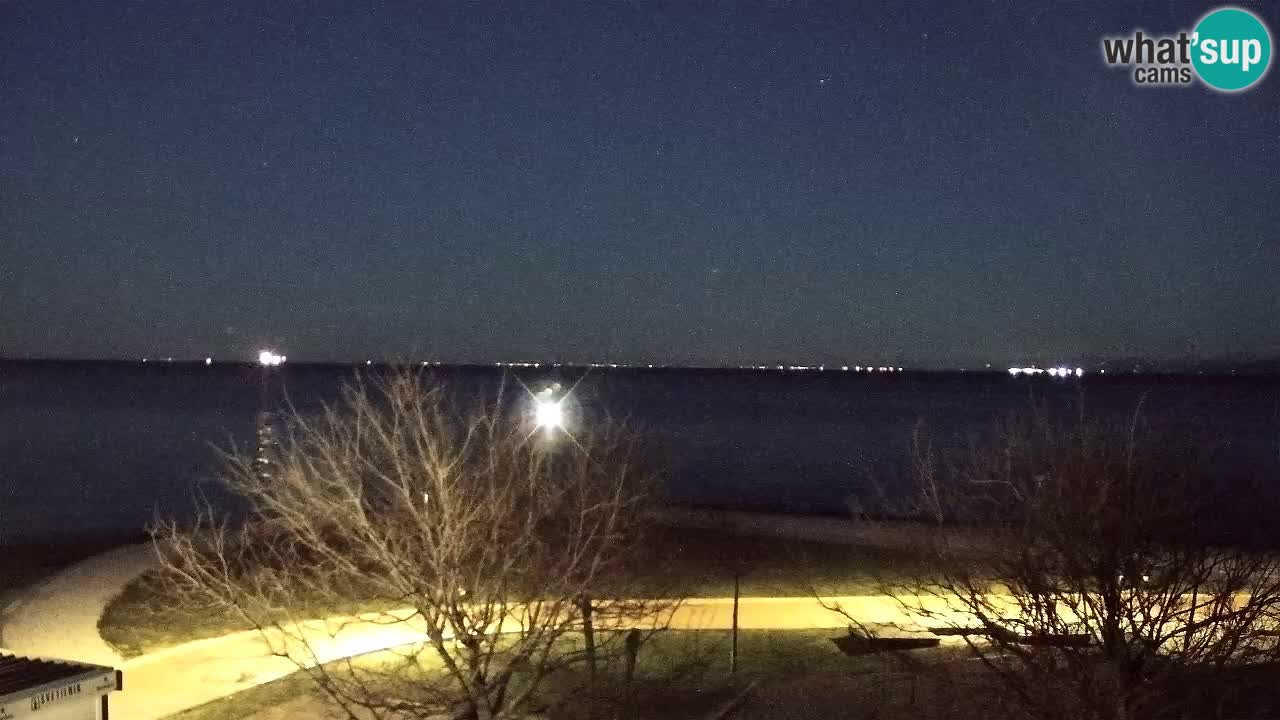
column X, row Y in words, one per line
column 42, row 689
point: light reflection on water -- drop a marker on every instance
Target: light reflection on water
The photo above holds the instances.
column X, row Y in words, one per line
column 267, row 450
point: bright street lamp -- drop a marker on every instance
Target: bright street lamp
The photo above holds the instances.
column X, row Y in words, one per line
column 548, row 414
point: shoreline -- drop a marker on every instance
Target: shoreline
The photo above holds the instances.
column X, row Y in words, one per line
column 26, row 565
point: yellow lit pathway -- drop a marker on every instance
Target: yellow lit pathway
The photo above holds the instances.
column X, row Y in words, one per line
column 59, row 619
column 172, row 680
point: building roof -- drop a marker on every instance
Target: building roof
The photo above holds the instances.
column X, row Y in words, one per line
column 19, row 673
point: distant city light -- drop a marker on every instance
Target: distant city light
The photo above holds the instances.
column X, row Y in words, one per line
column 844, row 368
column 1015, row 371
column 268, row 358
column 208, row 361
column 1059, row 371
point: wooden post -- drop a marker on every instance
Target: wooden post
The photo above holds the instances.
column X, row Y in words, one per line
column 633, row 651
column 589, row 637
column 733, row 649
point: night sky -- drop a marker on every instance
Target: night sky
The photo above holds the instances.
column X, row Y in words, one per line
column 682, row 182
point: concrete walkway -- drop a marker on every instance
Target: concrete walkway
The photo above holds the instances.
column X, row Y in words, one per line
column 168, row 681
column 58, row 617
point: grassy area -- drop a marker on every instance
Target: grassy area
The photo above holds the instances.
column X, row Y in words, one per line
column 140, row 619
column 702, row 563
column 680, row 674
column 690, row 562
column 684, row 675
column 290, row 696
column 143, row 619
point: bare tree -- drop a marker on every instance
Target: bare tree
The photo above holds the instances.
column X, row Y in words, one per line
column 463, row 546
column 1096, row 571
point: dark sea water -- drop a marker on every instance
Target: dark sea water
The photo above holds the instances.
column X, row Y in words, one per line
column 94, row 448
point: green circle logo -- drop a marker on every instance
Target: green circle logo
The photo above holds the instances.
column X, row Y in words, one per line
column 1231, row 49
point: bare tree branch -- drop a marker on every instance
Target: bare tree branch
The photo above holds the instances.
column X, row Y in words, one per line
column 460, row 539
column 1091, row 569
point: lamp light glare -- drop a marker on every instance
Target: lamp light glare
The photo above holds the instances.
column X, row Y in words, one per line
column 548, row 414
